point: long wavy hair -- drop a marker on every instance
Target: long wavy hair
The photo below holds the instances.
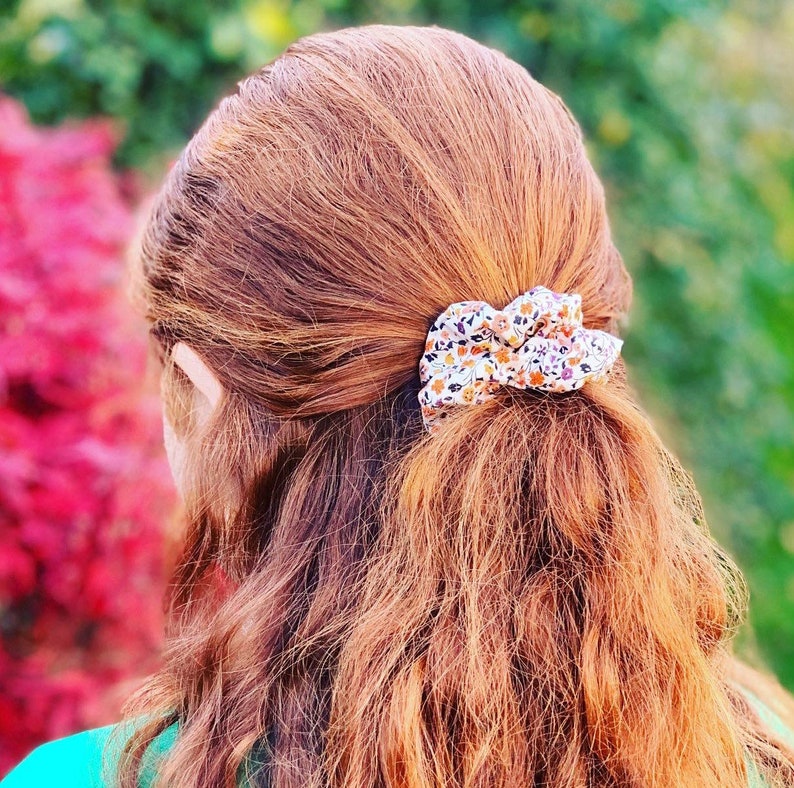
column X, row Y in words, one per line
column 530, row 597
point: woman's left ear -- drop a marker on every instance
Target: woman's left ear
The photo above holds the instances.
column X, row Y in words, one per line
column 199, row 374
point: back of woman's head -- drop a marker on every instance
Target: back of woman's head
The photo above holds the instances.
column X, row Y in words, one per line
column 527, row 597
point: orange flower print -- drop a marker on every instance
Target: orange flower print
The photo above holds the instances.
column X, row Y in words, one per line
column 536, row 378
column 502, row 355
column 561, row 356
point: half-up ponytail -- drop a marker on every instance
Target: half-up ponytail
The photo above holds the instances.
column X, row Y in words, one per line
column 529, row 596
column 545, row 608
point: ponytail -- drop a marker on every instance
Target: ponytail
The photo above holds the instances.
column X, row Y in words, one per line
column 545, row 607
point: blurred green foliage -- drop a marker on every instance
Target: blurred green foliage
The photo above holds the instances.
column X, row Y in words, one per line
column 688, row 111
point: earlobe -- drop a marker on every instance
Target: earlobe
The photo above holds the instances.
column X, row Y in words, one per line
column 200, row 375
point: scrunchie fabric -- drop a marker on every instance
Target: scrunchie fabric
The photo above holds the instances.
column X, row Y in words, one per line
column 536, row 341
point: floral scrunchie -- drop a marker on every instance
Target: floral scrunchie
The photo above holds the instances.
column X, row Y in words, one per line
column 536, row 341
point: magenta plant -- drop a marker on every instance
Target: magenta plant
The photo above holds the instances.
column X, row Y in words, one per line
column 84, row 487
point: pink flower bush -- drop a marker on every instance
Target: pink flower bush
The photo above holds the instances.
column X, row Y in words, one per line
column 84, row 487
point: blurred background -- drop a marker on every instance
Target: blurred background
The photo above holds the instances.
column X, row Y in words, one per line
column 688, row 111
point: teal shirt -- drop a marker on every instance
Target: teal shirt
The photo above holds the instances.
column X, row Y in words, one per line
column 76, row 761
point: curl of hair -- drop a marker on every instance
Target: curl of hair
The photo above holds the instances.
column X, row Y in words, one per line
column 531, row 597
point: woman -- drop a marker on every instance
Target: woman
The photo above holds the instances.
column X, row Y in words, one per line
column 431, row 538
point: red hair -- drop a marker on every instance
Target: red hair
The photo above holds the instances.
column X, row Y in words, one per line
column 530, row 597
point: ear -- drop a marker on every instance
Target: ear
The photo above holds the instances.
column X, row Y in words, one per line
column 200, row 375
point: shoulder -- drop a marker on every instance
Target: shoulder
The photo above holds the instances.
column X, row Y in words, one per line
column 774, row 723
column 770, row 717
column 72, row 761
column 83, row 760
